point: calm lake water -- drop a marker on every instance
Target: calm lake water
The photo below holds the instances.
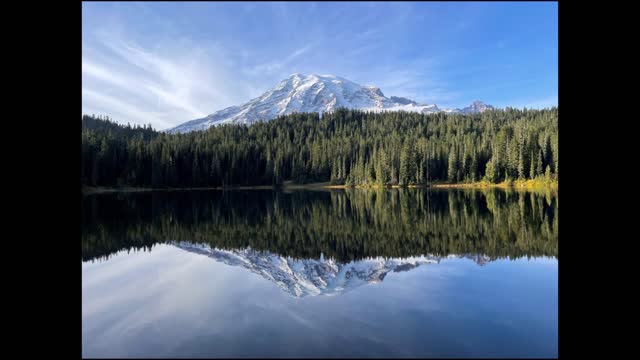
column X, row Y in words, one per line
column 346, row 273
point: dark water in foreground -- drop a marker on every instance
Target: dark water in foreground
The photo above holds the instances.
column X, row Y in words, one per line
column 386, row 273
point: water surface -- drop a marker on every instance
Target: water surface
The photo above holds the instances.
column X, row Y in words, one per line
column 386, row 273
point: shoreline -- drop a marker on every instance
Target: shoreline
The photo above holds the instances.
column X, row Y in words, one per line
column 518, row 185
column 378, row 186
column 89, row 190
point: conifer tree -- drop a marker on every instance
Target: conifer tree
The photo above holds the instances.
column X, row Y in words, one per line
column 490, row 172
column 347, row 145
column 452, row 171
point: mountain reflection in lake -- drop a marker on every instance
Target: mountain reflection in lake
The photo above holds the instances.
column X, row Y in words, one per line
column 419, row 273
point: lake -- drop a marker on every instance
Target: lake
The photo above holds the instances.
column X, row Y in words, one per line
column 320, row 273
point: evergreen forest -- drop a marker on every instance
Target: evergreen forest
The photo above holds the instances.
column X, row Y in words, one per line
column 349, row 147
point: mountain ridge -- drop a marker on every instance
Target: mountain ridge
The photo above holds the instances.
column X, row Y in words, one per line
column 313, row 277
column 315, row 93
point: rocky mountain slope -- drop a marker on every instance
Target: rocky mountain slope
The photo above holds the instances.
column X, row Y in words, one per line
column 315, row 93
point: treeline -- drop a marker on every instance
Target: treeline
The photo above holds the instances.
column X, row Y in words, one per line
column 116, row 155
column 349, row 147
column 345, row 225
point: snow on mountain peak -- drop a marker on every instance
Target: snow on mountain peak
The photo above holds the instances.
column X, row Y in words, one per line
column 312, row 277
column 313, row 93
column 476, row 107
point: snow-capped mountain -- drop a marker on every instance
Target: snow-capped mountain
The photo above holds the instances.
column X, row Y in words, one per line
column 312, row 277
column 403, row 101
column 314, row 93
column 476, row 107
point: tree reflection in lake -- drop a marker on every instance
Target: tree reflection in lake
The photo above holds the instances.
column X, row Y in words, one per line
column 344, row 225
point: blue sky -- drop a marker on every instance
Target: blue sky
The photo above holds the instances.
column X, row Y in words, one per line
column 166, row 63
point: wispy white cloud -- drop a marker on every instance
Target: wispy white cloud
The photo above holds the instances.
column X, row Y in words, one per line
column 418, row 80
column 182, row 80
column 175, row 63
column 274, row 66
column 109, row 105
column 176, row 78
column 179, row 80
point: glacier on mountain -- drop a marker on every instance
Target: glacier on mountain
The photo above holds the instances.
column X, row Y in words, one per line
column 315, row 93
column 313, row 277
